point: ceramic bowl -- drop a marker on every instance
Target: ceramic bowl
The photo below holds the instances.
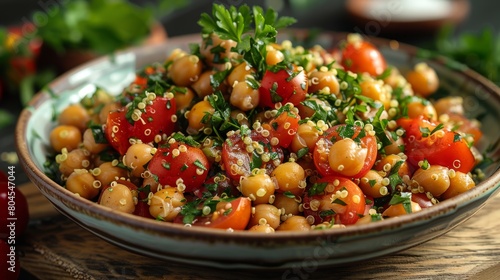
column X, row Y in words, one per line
column 216, row 248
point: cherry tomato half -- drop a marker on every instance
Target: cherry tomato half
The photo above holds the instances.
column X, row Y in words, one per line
column 156, row 119
column 179, row 163
column 239, row 161
column 441, row 147
column 234, row 214
column 334, row 198
column 361, row 57
column 284, row 126
column 283, row 86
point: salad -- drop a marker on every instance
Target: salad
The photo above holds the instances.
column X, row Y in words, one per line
column 243, row 132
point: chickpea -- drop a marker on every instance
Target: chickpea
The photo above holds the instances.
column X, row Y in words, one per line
column 396, row 145
column 90, row 144
column 395, row 79
column 388, row 162
column 196, row 116
column 307, row 112
column 83, row 183
column 240, row 116
column 261, row 228
column 183, row 97
column 423, row 79
column 324, row 80
column 376, row 90
column 290, row 177
column 449, row 104
column 274, row 56
column 306, row 137
column 367, row 219
column 298, row 223
column 263, row 117
column 108, row 108
column 265, row 214
column 433, row 179
column 418, row 108
column 202, row 86
column 399, row 210
column 119, row 197
column 259, row 188
column 244, row 97
column 136, row 157
column 372, row 184
column 459, row 183
column 152, row 183
column 289, row 205
column 65, row 136
column 76, row 159
column 166, row 203
column 239, row 73
column 217, row 51
column 74, row 115
column 107, row 173
column 185, row 70
column 347, row 157
column 175, row 54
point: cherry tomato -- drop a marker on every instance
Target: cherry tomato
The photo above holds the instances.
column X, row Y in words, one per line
column 336, row 133
column 441, row 147
column 334, row 198
column 283, row 86
column 234, row 214
column 239, row 161
column 179, row 163
column 14, row 205
column 118, row 130
column 156, row 119
column 361, row 57
column 9, row 261
column 284, row 126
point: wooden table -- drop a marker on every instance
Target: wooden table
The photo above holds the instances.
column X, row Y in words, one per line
column 56, row 248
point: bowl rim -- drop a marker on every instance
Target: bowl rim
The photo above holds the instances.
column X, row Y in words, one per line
column 74, row 202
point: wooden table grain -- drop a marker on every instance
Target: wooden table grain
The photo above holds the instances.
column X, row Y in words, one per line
column 56, row 248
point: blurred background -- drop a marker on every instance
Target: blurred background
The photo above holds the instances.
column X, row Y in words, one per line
column 40, row 39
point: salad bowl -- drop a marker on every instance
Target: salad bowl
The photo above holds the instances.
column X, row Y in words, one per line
column 241, row 249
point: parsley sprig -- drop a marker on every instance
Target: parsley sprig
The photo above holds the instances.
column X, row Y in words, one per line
column 237, row 24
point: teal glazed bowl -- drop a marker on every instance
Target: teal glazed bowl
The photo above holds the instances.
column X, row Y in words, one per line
column 282, row 250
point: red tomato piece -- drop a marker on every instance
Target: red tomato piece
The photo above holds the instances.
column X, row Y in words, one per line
column 334, row 134
column 282, row 86
column 441, row 147
column 334, row 198
column 156, row 119
column 239, row 161
column 118, row 130
column 361, row 57
column 174, row 161
column 14, row 205
column 284, row 126
column 236, row 216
